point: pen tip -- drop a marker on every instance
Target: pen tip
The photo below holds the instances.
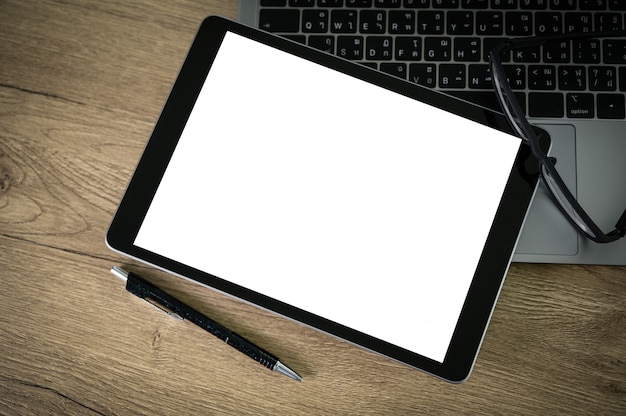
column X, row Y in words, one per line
column 283, row 369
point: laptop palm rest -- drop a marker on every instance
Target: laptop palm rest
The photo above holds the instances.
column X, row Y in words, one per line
column 546, row 230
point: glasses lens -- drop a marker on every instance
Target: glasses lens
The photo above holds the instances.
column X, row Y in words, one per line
column 563, row 201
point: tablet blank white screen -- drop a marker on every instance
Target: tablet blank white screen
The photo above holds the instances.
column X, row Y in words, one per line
column 331, row 194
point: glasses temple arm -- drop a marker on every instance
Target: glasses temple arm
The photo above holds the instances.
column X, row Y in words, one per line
column 620, row 227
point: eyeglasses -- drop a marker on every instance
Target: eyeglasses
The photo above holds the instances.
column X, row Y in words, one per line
column 517, row 119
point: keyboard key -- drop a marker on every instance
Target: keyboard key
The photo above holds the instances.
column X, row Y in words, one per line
column 430, row 22
column 605, row 22
column 593, row 4
column 541, row 77
column 446, row 4
column 285, row 21
column 563, row 4
column 579, row 105
column 401, row 22
column 572, row 77
column 323, row 43
column 378, row 48
column 460, row 23
column 474, row 4
column 530, row 54
column 302, row 3
column 489, row 23
column 388, row 4
column 329, row 3
column 545, row 104
column 519, row 23
column 622, row 78
column 586, row 51
column 576, row 22
column 602, row 78
column 557, row 52
column 409, row 4
column 408, row 48
column 343, row 21
column 504, row 4
column 359, row 3
column 423, row 74
column 614, row 51
column 350, row 47
column 516, row 75
column 548, row 23
column 611, row 106
column 617, row 5
column 533, row 4
column 395, row 69
column 452, row 76
column 467, row 49
column 489, row 44
column 479, row 77
column 437, row 49
column 373, row 21
column 315, row 21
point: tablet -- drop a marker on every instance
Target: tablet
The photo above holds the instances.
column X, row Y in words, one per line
column 367, row 207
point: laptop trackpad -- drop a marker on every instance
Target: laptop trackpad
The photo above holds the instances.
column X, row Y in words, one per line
column 546, row 230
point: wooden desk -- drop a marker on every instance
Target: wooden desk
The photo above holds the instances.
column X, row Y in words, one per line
column 81, row 84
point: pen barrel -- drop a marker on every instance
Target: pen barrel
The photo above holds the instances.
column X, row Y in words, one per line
column 145, row 290
column 263, row 357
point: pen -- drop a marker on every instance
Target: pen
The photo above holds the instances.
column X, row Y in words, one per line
column 177, row 309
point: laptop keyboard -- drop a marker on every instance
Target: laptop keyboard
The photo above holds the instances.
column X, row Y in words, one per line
column 445, row 44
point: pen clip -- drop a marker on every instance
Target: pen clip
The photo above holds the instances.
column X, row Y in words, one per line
column 171, row 313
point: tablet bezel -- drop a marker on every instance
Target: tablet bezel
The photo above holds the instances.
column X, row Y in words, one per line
column 494, row 261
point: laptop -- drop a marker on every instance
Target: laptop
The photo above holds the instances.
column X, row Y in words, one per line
column 574, row 90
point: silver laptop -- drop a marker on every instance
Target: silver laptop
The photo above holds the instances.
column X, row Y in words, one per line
column 573, row 89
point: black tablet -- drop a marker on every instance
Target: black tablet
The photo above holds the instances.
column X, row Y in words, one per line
column 370, row 208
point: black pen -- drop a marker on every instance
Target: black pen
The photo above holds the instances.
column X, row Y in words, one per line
column 177, row 309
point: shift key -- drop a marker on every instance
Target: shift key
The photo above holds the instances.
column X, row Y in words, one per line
column 282, row 21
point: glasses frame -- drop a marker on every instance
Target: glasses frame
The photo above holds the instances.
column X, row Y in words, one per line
column 559, row 192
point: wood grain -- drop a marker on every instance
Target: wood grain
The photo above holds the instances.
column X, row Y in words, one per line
column 81, row 84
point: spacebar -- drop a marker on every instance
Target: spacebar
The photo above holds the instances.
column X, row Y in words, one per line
column 486, row 99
